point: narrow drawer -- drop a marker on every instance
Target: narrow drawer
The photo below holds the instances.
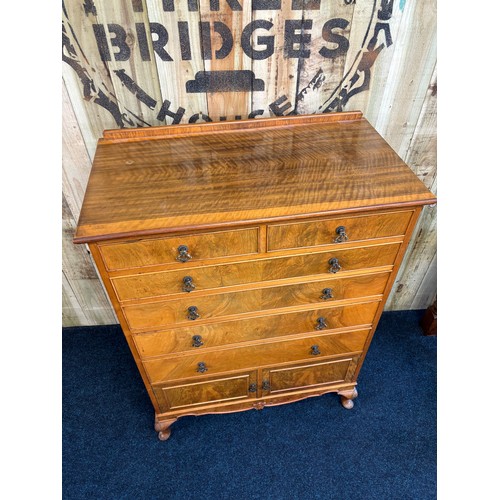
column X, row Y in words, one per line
column 194, row 247
column 156, row 315
column 207, row 391
column 267, row 354
column 280, row 380
column 327, row 231
column 173, row 282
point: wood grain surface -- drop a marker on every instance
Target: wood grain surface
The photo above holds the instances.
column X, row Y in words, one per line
column 254, row 175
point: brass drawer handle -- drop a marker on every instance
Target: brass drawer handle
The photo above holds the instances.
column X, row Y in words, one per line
column 202, row 367
column 193, row 313
column 315, row 350
column 342, row 235
column 326, row 294
column 197, row 342
column 334, row 265
column 188, row 285
column 184, row 254
column 266, row 385
column 321, row 324
column 252, row 388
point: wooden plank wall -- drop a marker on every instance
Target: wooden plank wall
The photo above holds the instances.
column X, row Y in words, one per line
column 124, row 66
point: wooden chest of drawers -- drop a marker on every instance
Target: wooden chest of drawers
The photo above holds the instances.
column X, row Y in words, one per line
column 248, row 262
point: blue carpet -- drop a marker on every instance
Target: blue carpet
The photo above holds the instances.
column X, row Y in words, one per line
column 384, row 448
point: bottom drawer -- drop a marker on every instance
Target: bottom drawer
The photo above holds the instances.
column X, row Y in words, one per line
column 214, row 390
column 303, row 376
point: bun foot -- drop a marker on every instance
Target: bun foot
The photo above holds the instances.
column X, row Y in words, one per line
column 164, row 435
column 163, row 428
column 346, row 398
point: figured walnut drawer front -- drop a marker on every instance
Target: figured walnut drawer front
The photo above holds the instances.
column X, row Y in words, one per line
column 173, row 282
column 241, row 358
column 154, row 251
column 326, row 231
column 214, row 390
column 278, row 380
column 155, row 315
column 199, row 337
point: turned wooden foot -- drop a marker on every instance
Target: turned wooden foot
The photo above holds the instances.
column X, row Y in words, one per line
column 346, row 398
column 163, row 428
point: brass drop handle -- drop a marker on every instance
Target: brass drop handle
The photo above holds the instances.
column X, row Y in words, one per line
column 342, row 235
column 193, row 313
column 252, row 388
column 266, row 385
column 315, row 350
column 335, row 267
column 187, row 284
column 197, row 342
column 202, row 367
column 184, row 254
column 326, row 294
column 321, row 324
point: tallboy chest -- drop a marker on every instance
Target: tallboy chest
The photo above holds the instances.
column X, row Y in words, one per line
column 248, row 262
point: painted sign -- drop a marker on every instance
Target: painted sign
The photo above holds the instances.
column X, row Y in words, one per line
column 222, row 59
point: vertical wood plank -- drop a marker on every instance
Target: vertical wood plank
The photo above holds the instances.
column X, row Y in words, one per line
column 422, row 151
column 76, row 164
column 415, row 286
column 72, row 312
column 322, row 70
column 134, row 77
column 369, row 100
column 182, row 25
column 84, row 285
column 426, row 292
column 409, row 75
column 86, row 77
column 280, row 71
column 232, row 18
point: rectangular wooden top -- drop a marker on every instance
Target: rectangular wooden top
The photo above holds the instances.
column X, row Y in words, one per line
column 181, row 177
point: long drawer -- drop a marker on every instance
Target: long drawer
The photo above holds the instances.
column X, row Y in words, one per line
column 337, row 230
column 173, row 282
column 199, row 337
column 178, row 250
column 156, row 315
column 243, row 358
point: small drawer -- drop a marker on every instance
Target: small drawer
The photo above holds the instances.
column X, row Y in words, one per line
column 179, row 250
column 267, row 354
column 174, row 282
column 281, row 380
column 199, row 337
column 214, row 390
column 155, row 315
column 337, row 231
